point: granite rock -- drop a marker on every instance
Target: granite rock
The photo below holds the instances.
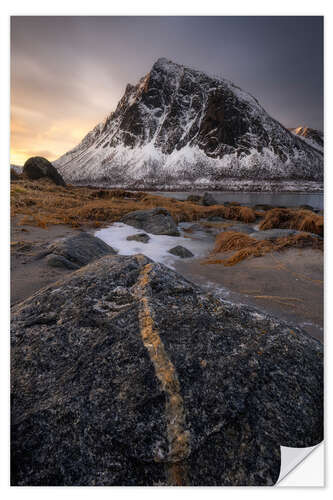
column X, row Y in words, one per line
column 125, row 373
column 156, row 221
column 37, row 167
column 80, row 249
column 181, row 251
column 141, row 237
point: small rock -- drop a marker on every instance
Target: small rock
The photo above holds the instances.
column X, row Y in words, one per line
column 142, row 237
column 194, row 227
column 231, row 204
column 180, row 251
column 194, row 198
column 306, row 207
column 262, row 206
column 156, row 221
column 38, row 167
column 208, row 200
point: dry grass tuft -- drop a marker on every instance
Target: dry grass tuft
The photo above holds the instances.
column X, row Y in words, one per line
column 247, row 214
column 231, row 240
column 285, row 218
column 43, row 203
column 248, row 247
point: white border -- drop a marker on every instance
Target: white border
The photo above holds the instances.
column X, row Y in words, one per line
column 131, row 7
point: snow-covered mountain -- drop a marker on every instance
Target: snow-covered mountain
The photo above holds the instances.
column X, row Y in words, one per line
column 311, row 136
column 179, row 127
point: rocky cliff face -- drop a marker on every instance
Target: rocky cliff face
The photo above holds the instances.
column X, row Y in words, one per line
column 311, row 136
column 125, row 373
column 180, row 127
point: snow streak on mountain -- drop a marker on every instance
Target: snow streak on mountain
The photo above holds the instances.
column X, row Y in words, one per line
column 311, row 136
column 180, row 128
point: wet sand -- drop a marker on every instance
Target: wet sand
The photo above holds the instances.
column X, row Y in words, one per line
column 288, row 284
column 27, row 275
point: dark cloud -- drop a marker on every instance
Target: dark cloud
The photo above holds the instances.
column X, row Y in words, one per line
column 75, row 69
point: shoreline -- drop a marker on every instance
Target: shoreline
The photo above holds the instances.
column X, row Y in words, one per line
column 200, row 189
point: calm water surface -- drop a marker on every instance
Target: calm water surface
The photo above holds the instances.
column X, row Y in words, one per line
column 316, row 200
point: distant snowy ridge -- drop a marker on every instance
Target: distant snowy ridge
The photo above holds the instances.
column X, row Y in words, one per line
column 313, row 137
column 18, row 169
column 179, row 126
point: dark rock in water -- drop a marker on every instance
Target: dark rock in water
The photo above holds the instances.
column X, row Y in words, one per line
column 272, row 234
column 55, row 260
column 37, row 167
column 231, row 204
column 194, row 198
column 306, row 207
column 125, row 373
column 208, row 200
column 262, row 206
column 156, row 221
column 180, row 251
column 142, row 237
column 241, row 228
column 80, row 249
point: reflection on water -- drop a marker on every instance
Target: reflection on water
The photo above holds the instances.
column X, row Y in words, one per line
column 316, row 200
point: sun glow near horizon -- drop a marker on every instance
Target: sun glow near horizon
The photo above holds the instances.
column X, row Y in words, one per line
column 58, row 138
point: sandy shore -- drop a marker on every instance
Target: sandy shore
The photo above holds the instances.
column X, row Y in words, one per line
column 27, row 275
column 287, row 284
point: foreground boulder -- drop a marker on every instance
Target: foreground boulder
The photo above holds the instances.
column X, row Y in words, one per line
column 125, row 373
column 156, row 221
column 38, row 167
column 76, row 251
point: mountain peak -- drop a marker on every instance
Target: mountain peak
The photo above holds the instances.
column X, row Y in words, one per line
column 311, row 136
column 180, row 126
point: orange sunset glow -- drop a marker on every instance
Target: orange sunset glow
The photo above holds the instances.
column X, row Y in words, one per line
column 28, row 140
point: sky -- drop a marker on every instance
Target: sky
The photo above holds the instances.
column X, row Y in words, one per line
column 68, row 73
